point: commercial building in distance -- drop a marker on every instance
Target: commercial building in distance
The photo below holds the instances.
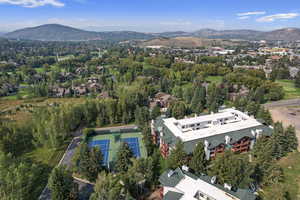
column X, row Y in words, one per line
column 183, row 185
column 227, row 129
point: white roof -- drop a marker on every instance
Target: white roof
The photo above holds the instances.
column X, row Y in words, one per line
column 191, row 186
column 244, row 121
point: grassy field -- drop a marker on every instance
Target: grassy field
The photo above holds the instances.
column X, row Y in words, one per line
column 114, row 145
column 215, row 79
column 291, row 167
column 290, row 90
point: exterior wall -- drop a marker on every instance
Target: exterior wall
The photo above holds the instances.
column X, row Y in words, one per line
column 216, row 150
column 154, row 135
column 164, row 149
column 242, row 145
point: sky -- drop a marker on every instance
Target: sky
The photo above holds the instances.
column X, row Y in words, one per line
column 151, row 15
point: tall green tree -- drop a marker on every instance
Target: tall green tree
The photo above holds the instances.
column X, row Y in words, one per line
column 123, row 160
column 198, row 100
column 232, row 169
column 139, row 176
column 177, row 156
column 198, row 162
column 88, row 162
column 18, row 178
column 61, row 184
column 155, row 112
column 107, row 187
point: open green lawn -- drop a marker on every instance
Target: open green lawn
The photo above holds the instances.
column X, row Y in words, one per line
column 115, row 143
column 215, row 79
column 46, row 156
column 291, row 168
column 291, row 92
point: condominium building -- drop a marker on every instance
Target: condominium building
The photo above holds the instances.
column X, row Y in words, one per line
column 227, row 129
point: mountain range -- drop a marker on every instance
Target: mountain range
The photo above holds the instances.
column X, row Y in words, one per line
column 57, row 32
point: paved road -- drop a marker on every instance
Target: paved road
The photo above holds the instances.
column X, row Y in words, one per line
column 290, row 102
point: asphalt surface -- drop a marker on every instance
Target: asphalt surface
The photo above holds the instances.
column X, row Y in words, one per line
column 290, row 102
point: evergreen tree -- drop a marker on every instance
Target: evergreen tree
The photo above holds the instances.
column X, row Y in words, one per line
column 252, row 108
column 265, row 115
column 232, row 169
column 177, row 157
column 61, row 184
column 123, row 160
column 291, row 138
column 107, row 187
column 280, row 141
column 139, row 177
column 155, row 112
column 178, row 109
column 142, row 116
column 188, row 94
column 88, row 162
column 148, row 140
column 198, row 162
column 198, row 100
column 18, row 178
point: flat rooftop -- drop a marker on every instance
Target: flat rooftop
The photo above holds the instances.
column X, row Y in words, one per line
column 227, row 120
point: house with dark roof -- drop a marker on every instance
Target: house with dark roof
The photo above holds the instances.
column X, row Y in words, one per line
column 180, row 184
column 162, row 100
column 227, row 129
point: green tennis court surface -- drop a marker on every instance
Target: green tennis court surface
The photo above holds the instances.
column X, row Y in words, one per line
column 114, row 139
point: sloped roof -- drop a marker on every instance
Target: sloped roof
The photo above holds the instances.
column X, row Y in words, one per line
column 170, row 195
column 179, row 175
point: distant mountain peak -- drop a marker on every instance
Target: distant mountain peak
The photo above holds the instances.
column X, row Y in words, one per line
column 58, row 32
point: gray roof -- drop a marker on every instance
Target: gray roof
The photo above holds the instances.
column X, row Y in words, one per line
column 178, row 175
column 173, row 180
column 170, row 195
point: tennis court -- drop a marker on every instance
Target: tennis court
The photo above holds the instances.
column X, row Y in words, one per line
column 133, row 144
column 104, row 147
column 110, row 141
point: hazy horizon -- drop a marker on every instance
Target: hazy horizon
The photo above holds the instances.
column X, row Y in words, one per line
column 150, row 16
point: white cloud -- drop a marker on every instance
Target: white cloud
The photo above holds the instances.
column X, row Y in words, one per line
column 33, row 3
column 251, row 13
column 244, row 17
column 272, row 18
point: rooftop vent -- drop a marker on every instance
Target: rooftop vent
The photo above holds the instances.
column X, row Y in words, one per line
column 213, row 180
column 227, row 139
column 185, row 168
column 227, row 186
column 170, row 173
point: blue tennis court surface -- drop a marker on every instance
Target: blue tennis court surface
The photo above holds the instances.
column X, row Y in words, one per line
column 104, row 147
column 133, row 144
